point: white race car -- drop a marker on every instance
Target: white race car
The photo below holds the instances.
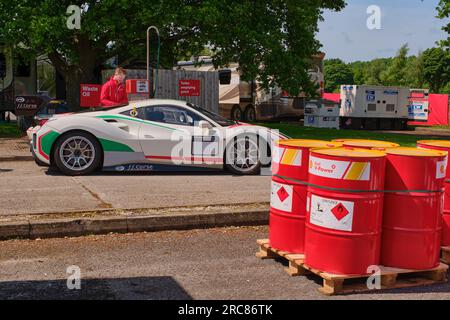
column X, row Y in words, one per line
column 151, row 135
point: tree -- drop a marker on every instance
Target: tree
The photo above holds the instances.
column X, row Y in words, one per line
column 443, row 13
column 414, row 72
column 374, row 71
column 436, row 68
column 359, row 72
column 271, row 40
column 395, row 74
column 337, row 73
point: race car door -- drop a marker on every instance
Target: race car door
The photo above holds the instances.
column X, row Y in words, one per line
column 173, row 137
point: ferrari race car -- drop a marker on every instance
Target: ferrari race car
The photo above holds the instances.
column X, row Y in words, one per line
column 150, row 135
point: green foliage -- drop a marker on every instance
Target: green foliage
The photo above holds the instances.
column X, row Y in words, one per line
column 300, row 132
column 444, row 13
column 395, row 73
column 436, row 68
column 337, row 73
column 272, row 40
column 10, row 130
column 429, row 69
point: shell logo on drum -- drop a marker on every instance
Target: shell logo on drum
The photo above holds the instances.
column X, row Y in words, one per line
column 441, row 169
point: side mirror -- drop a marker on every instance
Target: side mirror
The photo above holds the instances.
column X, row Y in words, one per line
column 204, row 124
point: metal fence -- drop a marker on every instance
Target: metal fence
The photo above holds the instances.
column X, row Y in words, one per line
column 168, row 87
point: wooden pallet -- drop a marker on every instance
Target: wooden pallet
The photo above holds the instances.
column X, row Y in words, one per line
column 445, row 255
column 344, row 284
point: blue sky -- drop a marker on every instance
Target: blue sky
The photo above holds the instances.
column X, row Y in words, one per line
column 345, row 35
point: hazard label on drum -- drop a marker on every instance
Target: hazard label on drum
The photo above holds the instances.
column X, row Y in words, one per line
column 331, row 213
column 281, row 197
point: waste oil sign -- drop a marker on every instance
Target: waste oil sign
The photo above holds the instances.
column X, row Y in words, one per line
column 90, row 95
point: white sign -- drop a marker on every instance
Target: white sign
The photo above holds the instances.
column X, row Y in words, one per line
column 331, row 213
column 142, row 86
column 281, row 197
column 277, row 152
column 336, row 169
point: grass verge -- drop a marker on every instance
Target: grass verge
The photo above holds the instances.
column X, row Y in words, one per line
column 298, row 131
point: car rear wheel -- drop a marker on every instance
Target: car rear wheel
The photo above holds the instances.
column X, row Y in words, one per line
column 242, row 156
column 77, row 153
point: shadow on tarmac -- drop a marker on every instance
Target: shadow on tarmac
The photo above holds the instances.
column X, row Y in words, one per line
column 151, row 288
column 55, row 172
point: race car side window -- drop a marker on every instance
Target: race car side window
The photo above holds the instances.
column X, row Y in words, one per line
column 172, row 115
column 135, row 113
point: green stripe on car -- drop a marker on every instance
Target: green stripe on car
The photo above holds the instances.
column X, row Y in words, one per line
column 47, row 141
column 135, row 120
column 113, row 146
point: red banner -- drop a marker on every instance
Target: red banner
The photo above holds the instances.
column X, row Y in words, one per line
column 189, row 88
column 336, row 97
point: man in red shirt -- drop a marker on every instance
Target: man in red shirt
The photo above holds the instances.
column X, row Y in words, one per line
column 113, row 91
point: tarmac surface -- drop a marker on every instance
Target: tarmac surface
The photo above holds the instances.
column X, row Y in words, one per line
column 196, row 264
column 27, row 189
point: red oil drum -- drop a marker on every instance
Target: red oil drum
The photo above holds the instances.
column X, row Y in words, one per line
column 413, row 203
column 367, row 144
column 288, row 198
column 443, row 146
column 344, row 216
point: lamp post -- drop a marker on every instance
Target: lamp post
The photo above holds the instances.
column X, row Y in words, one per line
column 150, row 76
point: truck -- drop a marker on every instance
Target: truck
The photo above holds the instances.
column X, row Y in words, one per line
column 374, row 107
column 248, row 101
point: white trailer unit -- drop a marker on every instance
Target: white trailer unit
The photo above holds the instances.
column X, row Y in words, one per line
column 322, row 114
column 374, row 107
column 419, row 105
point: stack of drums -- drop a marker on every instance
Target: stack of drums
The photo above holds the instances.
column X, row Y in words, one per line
column 345, row 208
column 413, row 203
column 288, row 198
column 443, row 146
column 367, row 144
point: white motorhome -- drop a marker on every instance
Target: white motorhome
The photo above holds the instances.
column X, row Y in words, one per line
column 241, row 100
column 374, row 107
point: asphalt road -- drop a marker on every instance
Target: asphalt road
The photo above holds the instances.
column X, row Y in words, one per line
column 26, row 188
column 198, row 264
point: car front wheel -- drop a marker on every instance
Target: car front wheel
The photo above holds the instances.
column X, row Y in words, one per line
column 242, row 156
column 77, row 153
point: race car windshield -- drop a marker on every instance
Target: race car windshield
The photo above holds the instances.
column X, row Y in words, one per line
column 224, row 122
